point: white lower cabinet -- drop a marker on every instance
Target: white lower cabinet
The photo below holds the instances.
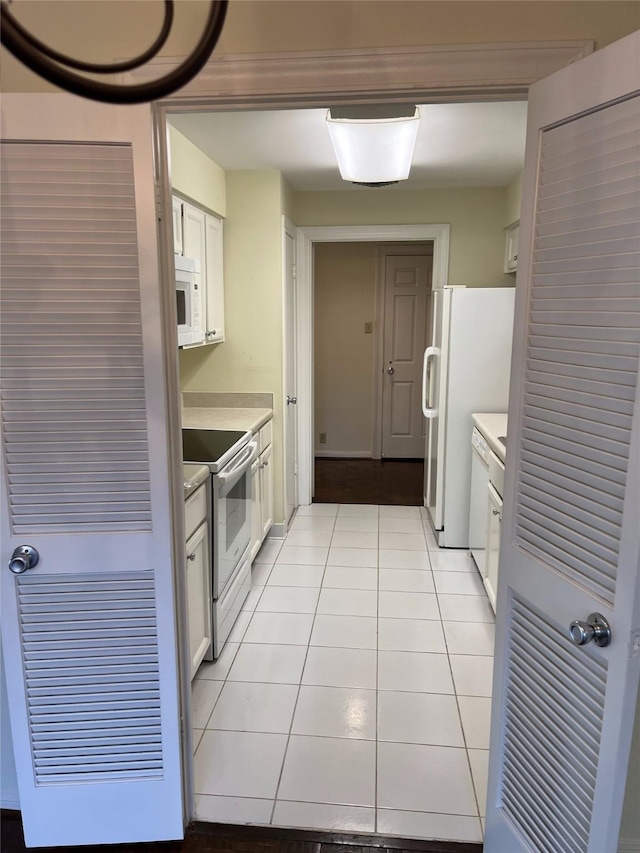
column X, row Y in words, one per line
column 198, row 566
column 262, row 486
column 492, row 560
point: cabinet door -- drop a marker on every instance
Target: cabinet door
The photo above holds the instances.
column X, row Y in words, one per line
column 214, row 283
column 266, row 474
column 176, row 210
column 199, row 596
column 511, row 249
column 256, row 508
column 492, row 559
column 193, row 245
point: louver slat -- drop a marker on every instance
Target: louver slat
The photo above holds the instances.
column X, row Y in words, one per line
column 72, row 380
column 583, row 347
column 544, row 738
column 93, row 701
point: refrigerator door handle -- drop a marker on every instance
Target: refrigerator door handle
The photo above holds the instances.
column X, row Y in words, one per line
column 427, row 411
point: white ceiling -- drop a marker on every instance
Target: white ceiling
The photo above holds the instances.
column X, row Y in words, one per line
column 459, row 145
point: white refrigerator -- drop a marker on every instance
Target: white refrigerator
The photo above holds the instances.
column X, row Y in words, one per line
column 465, row 370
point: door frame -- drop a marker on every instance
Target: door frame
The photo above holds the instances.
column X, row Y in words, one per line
column 288, row 351
column 307, row 237
column 378, row 343
column 289, row 80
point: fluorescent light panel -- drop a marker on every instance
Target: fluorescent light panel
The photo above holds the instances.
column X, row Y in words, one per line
column 374, row 150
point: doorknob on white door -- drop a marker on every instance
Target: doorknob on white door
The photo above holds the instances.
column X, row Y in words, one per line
column 23, row 558
column 293, row 400
column 390, row 371
column 596, row 628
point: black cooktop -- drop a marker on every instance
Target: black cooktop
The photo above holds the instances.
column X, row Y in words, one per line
column 210, row 445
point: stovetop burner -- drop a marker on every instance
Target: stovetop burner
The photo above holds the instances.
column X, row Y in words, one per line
column 211, row 446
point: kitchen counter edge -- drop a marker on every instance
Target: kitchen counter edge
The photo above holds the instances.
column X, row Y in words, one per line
column 250, row 419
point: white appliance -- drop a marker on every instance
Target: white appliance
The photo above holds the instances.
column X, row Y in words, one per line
column 188, row 301
column 229, row 455
column 466, row 369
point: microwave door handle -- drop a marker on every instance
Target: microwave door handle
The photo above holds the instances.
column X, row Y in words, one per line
column 241, row 466
column 427, row 411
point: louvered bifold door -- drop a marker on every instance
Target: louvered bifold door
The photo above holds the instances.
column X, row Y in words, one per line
column 88, row 632
column 561, row 730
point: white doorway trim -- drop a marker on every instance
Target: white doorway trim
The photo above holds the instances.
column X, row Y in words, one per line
column 307, row 236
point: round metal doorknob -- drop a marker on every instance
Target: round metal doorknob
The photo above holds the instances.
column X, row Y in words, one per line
column 293, row 400
column 596, row 629
column 24, row 557
column 390, row 371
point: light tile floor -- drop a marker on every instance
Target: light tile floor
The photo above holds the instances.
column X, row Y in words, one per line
column 354, row 692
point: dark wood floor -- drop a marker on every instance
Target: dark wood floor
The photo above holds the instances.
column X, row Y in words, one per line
column 369, row 481
column 223, row 838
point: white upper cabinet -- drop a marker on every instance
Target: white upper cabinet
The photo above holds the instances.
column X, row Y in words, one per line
column 198, row 234
column 214, row 331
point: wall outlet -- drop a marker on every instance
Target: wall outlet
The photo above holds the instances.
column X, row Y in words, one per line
column 368, row 328
column 323, row 438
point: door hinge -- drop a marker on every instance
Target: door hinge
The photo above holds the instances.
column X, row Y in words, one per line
column 294, row 271
column 295, row 467
column 159, row 207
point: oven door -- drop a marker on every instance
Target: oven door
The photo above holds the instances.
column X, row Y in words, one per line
column 231, row 516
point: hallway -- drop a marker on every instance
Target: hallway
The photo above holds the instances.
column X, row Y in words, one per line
column 369, row 481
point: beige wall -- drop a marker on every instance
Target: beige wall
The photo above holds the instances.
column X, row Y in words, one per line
column 344, row 299
column 476, row 216
column 195, row 175
column 101, row 30
column 250, row 359
column 513, row 200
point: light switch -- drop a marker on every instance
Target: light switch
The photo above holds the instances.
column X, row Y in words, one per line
column 368, row 328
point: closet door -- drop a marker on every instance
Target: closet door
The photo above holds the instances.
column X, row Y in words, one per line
column 565, row 698
column 88, row 632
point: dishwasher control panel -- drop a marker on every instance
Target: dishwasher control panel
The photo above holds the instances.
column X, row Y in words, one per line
column 479, row 443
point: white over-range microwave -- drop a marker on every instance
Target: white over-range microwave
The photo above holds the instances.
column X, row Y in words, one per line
column 189, row 301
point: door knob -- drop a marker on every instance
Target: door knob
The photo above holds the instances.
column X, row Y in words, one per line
column 595, row 629
column 390, row 371
column 23, row 558
column 293, row 400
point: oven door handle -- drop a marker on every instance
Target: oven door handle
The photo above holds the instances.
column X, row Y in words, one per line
column 241, row 466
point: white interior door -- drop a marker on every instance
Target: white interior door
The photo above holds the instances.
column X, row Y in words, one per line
column 89, row 633
column 563, row 713
column 290, row 383
column 407, row 286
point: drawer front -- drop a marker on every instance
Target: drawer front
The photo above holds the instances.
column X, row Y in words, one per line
column 195, row 509
column 227, row 608
column 266, row 436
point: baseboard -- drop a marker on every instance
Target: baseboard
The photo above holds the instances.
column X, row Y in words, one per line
column 9, row 800
column 628, row 845
column 343, row 454
column 277, row 531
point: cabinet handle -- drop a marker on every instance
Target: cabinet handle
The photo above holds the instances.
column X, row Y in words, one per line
column 495, row 511
column 191, row 556
column 210, row 333
column 515, row 257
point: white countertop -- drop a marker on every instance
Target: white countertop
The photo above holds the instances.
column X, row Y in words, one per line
column 225, row 418
column 194, row 474
column 491, row 426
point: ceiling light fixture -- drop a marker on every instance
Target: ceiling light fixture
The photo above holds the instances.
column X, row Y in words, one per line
column 374, row 150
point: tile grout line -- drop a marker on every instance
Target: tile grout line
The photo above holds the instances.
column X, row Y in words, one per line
column 295, row 706
column 464, row 736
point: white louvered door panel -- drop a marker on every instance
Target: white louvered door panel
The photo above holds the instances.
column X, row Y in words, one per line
column 563, row 714
column 89, row 632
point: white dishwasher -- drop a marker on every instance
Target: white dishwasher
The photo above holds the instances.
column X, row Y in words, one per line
column 478, row 500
